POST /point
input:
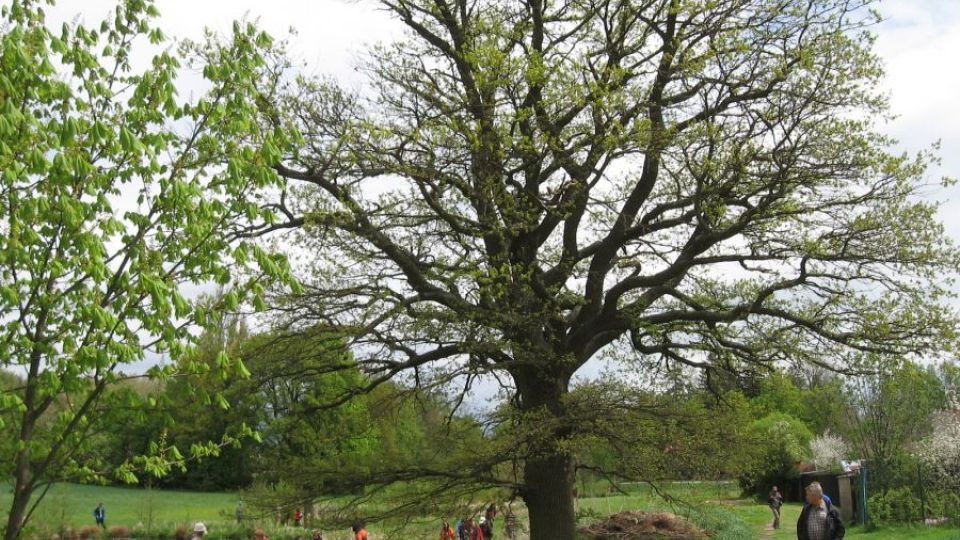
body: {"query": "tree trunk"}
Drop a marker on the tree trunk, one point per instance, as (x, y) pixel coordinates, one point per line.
(549, 496)
(23, 478)
(22, 488)
(549, 475)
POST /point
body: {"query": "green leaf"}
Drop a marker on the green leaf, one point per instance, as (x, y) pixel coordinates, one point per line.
(231, 301)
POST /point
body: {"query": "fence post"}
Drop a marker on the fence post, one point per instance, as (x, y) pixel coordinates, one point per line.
(923, 494)
(864, 517)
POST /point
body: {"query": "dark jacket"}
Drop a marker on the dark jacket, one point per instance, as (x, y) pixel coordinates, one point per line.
(834, 522)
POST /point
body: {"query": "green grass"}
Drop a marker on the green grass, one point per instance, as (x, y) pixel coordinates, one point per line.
(71, 505)
(710, 505)
(758, 516)
(919, 532)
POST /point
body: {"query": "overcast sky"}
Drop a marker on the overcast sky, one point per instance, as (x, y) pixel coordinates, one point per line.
(919, 40)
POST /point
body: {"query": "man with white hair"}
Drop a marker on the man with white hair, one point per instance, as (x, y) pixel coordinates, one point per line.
(199, 530)
(819, 519)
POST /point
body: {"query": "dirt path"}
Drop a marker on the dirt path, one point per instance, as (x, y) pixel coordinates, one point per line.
(767, 533)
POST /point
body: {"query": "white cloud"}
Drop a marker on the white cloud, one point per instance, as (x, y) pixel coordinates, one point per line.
(330, 33)
(920, 43)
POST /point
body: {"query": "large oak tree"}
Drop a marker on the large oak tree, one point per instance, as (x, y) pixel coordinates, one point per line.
(524, 184)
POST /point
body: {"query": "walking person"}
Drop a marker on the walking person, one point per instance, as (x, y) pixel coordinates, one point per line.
(447, 532)
(487, 521)
(239, 513)
(510, 521)
(100, 515)
(486, 526)
(360, 531)
(775, 501)
(199, 530)
(491, 513)
(819, 519)
(473, 532)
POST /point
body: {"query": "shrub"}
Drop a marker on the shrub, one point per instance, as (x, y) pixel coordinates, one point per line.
(943, 504)
(119, 532)
(897, 505)
(589, 515)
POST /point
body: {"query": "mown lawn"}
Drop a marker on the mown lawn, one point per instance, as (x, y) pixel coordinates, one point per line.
(711, 505)
(758, 516)
(752, 519)
(71, 505)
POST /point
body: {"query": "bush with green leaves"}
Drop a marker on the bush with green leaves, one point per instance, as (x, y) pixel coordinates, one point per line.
(912, 504)
(779, 441)
(897, 505)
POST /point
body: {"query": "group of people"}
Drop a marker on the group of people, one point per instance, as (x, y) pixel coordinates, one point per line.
(480, 529)
(819, 519)
(200, 528)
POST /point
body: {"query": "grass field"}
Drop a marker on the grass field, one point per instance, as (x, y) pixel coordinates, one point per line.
(752, 519)
(711, 505)
(759, 517)
(71, 505)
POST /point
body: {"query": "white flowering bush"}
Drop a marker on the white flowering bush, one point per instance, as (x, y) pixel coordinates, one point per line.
(827, 450)
(940, 452)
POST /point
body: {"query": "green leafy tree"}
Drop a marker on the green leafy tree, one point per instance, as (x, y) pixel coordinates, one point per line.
(949, 373)
(115, 194)
(779, 442)
(526, 184)
(890, 412)
(294, 380)
(778, 393)
(287, 395)
(192, 416)
(821, 406)
(128, 419)
(410, 435)
(334, 455)
(656, 436)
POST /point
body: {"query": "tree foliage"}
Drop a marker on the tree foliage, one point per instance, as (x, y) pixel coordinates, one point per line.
(889, 413)
(780, 443)
(940, 451)
(820, 405)
(116, 193)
